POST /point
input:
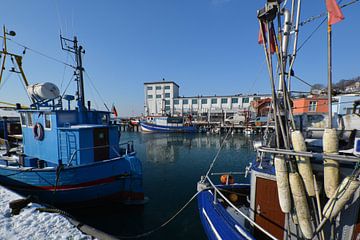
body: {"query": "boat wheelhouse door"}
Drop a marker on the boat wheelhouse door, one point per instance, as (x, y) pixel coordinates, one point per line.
(268, 213)
(101, 143)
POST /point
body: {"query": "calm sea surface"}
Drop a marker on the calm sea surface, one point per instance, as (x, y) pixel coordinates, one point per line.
(172, 165)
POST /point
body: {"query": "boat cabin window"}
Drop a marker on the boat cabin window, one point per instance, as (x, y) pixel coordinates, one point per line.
(29, 120)
(104, 119)
(23, 119)
(47, 118)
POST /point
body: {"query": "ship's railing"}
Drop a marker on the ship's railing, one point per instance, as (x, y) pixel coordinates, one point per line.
(129, 147)
(123, 151)
(252, 222)
(336, 157)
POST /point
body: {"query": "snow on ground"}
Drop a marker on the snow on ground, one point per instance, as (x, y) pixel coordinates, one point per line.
(32, 224)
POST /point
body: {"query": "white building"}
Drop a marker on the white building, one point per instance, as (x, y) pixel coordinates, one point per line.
(159, 97)
(163, 98)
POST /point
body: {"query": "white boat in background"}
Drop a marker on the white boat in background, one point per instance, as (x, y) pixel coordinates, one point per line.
(167, 124)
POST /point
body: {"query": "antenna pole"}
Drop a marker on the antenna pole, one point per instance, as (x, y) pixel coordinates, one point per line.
(77, 51)
(329, 123)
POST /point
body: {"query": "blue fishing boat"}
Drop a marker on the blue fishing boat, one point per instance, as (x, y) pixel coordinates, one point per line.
(293, 193)
(69, 156)
(167, 125)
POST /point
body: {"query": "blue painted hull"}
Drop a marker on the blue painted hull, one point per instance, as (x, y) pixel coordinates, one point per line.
(118, 179)
(147, 127)
(216, 220)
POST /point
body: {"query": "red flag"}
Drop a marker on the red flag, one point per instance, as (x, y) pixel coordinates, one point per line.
(260, 37)
(272, 40)
(335, 14)
(113, 110)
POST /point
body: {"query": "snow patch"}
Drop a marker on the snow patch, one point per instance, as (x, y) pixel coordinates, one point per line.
(32, 224)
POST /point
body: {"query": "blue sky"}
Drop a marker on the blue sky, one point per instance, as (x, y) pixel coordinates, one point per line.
(206, 46)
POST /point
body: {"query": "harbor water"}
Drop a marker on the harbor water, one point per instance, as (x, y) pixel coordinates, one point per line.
(172, 165)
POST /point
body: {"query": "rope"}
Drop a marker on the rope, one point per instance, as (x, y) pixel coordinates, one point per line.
(183, 207)
(162, 225)
(216, 156)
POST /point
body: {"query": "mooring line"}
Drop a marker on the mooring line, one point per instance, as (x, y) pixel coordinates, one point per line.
(217, 155)
(162, 225)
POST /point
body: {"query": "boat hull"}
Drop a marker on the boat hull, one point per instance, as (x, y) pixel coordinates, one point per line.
(146, 127)
(216, 221)
(116, 180)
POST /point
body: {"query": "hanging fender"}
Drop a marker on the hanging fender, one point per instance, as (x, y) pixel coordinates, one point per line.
(38, 131)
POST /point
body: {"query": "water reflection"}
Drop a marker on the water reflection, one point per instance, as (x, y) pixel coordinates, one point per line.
(163, 148)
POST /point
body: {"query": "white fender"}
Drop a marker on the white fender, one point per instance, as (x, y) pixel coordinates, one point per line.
(282, 181)
(301, 205)
(303, 163)
(342, 195)
(331, 167)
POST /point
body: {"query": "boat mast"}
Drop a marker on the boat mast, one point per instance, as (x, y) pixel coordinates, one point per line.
(77, 51)
(18, 60)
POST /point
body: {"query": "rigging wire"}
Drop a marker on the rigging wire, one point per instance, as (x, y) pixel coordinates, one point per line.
(301, 80)
(21, 80)
(321, 23)
(98, 93)
(62, 95)
(5, 80)
(310, 19)
(40, 53)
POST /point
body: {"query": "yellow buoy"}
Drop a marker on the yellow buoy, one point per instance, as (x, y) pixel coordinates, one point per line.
(233, 197)
(301, 205)
(282, 181)
(303, 163)
(331, 167)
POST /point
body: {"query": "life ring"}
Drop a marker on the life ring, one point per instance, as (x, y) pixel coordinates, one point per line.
(38, 132)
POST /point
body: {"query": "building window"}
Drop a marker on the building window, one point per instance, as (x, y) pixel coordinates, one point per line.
(167, 95)
(167, 87)
(150, 96)
(29, 120)
(224, 100)
(167, 108)
(23, 119)
(167, 102)
(256, 98)
(149, 88)
(47, 118)
(176, 102)
(194, 101)
(158, 95)
(312, 106)
(214, 101)
(185, 101)
(203, 101)
(234, 100)
(245, 100)
(158, 87)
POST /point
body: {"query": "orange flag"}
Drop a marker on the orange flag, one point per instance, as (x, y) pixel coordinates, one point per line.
(335, 14)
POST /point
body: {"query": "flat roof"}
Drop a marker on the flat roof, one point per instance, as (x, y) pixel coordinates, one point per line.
(236, 95)
(161, 82)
